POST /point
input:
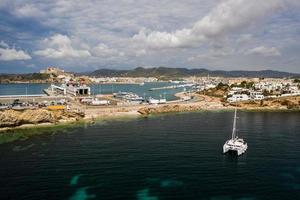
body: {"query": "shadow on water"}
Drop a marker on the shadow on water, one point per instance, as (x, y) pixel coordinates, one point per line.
(231, 157)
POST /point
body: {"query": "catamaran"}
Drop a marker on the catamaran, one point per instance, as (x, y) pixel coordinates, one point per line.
(235, 145)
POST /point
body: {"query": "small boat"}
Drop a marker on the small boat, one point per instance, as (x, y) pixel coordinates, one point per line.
(98, 102)
(162, 100)
(235, 145)
(157, 101)
(120, 94)
(129, 96)
(3, 107)
(153, 101)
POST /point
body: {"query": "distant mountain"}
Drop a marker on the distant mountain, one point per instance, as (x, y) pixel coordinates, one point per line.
(167, 72)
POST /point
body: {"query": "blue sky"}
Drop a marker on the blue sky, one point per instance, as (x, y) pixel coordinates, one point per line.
(87, 35)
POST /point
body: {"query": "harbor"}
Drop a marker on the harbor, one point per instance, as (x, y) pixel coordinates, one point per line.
(91, 98)
(97, 95)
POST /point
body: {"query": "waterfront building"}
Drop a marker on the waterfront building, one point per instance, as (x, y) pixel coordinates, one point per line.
(238, 97)
(68, 90)
(256, 95)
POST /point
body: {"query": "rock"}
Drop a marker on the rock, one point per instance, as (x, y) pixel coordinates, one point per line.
(11, 118)
(36, 116)
(168, 108)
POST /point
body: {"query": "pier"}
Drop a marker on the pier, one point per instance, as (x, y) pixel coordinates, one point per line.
(21, 96)
(30, 98)
(171, 87)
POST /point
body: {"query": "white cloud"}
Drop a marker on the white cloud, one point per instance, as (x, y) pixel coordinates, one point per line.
(264, 51)
(224, 18)
(28, 10)
(212, 54)
(3, 44)
(60, 46)
(10, 54)
(102, 50)
(244, 38)
(198, 26)
(140, 52)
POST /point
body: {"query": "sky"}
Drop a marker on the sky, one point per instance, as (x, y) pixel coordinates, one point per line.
(87, 35)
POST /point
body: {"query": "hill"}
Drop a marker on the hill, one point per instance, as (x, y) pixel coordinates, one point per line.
(183, 72)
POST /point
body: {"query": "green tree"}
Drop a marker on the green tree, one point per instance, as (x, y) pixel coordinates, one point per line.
(297, 80)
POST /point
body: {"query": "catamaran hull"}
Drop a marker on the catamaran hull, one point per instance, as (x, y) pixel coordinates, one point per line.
(236, 151)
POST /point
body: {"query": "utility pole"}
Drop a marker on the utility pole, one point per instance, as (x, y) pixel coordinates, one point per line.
(26, 94)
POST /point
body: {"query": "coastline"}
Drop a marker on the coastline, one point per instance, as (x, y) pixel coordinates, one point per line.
(25, 131)
(92, 115)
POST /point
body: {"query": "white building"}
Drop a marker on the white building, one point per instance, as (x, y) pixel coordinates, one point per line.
(238, 97)
(255, 95)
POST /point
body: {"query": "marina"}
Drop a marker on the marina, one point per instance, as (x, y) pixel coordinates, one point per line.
(93, 94)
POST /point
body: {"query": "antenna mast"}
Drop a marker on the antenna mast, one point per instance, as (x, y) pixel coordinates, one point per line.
(234, 125)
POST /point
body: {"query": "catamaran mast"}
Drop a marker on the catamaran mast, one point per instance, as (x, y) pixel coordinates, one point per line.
(234, 125)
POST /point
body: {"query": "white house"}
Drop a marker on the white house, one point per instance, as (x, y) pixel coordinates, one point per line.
(255, 95)
(238, 97)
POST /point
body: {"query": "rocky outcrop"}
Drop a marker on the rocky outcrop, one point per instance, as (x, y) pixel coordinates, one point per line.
(288, 103)
(11, 118)
(168, 108)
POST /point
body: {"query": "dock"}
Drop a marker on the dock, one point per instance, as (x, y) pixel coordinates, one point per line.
(31, 98)
(21, 96)
(171, 87)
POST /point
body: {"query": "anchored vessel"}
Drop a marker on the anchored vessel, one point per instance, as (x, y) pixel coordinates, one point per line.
(235, 145)
(129, 96)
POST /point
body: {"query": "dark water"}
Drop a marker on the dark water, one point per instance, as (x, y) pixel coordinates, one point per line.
(143, 91)
(164, 157)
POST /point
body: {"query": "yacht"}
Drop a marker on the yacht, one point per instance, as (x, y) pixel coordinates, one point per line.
(157, 101)
(153, 101)
(129, 96)
(235, 145)
(98, 102)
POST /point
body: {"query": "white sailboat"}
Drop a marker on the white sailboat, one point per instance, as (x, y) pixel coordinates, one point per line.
(235, 145)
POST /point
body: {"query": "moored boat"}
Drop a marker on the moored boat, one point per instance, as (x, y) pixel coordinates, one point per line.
(235, 145)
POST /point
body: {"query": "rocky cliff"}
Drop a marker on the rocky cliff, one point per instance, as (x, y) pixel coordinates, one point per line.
(11, 118)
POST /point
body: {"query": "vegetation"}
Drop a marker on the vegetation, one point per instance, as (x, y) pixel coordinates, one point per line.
(222, 86)
(297, 81)
(218, 91)
(267, 93)
(244, 84)
(168, 72)
(6, 78)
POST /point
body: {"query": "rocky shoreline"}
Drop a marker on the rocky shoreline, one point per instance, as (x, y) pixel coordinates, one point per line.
(12, 119)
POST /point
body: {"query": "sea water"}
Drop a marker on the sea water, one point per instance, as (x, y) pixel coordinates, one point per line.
(177, 156)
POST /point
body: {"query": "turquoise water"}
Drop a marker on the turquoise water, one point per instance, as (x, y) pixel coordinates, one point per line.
(20, 89)
(175, 156)
(142, 91)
